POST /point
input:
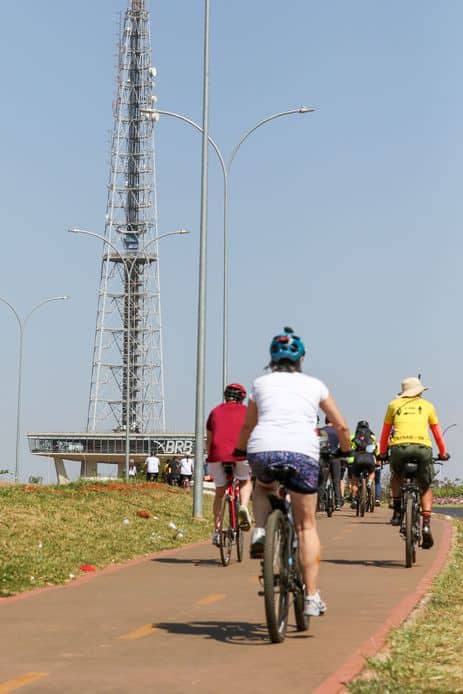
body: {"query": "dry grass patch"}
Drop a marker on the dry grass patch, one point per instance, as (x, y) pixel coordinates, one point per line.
(48, 533)
(425, 655)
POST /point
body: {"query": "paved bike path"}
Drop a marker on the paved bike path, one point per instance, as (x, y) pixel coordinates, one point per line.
(181, 622)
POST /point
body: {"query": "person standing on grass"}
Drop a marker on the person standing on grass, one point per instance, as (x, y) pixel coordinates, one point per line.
(152, 468)
(186, 470)
(132, 470)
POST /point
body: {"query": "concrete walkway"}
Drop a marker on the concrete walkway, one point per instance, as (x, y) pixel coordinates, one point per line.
(180, 622)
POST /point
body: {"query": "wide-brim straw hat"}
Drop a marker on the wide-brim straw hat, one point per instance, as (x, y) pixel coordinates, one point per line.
(411, 387)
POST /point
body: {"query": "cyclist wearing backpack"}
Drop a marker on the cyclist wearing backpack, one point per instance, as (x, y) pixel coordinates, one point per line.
(408, 418)
(363, 442)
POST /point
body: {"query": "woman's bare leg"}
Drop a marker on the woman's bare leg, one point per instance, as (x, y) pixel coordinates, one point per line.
(304, 507)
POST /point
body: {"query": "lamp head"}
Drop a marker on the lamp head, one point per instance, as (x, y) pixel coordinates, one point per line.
(306, 109)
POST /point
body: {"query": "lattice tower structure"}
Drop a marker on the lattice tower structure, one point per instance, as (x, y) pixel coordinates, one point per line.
(128, 345)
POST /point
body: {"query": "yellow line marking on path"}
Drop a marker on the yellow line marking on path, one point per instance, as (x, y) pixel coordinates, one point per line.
(139, 633)
(213, 597)
(21, 681)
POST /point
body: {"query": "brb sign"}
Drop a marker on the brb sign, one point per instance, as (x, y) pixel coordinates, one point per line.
(173, 446)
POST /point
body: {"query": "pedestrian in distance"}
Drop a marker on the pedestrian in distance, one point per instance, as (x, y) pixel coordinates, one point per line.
(152, 463)
(223, 426)
(132, 470)
(280, 429)
(186, 470)
(173, 472)
(408, 418)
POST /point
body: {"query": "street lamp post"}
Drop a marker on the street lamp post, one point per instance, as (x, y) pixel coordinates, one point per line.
(226, 169)
(22, 326)
(124, 260)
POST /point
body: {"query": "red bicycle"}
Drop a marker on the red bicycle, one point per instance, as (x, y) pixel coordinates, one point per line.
(230, 532)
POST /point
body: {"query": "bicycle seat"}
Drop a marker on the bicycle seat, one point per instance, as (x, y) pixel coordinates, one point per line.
(411, 466)
(280, 471)
(228, 469)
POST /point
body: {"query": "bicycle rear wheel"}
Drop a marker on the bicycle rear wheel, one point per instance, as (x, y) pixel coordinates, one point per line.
(275, 570)
(371, 498)
(362, 496)
(409, 531)
(329, 495)
(239, 535)
(226, 531)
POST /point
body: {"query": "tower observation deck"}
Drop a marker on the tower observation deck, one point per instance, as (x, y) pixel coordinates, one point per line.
(127, 386)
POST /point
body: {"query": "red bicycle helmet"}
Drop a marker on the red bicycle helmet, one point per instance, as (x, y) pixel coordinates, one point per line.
(235, 391)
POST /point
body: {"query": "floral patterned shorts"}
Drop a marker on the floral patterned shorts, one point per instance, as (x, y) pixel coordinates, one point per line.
(304, 469)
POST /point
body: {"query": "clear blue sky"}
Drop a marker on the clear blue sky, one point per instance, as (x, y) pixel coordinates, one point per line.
(345, 223)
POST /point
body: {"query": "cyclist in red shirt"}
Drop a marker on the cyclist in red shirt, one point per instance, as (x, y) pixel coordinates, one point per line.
(223, 428)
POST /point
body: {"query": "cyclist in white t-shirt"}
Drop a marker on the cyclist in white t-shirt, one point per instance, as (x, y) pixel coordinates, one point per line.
(280, 428)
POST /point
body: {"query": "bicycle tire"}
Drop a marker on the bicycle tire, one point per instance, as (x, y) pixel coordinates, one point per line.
(275, 571)
(416, 527)
(362, 497)
(409, 531)
(329, 500)
(371, 498)
(226, 531)
(239, 535)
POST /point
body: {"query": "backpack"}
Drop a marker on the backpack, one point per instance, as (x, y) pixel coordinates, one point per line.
(325, 447)
(363, 438)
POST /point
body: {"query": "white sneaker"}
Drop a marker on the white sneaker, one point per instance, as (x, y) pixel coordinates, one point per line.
(314, 605)
(257, 543)
(216, 538)
(244, 519)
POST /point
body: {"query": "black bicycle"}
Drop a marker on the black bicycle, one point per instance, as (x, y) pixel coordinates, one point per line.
(325, 495)
(365, 500)
(281, 575)
(410, 508)
(365, 495)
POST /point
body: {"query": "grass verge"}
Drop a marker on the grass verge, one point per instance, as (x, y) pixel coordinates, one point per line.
(47, 533)
(424, 655)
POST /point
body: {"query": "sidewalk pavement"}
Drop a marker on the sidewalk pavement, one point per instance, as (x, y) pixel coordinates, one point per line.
(180, 622)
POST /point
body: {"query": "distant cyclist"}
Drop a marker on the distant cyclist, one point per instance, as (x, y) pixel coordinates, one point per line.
(223, 427)
(363, 442)
(333, 463)
(410, 416)
(280, 429)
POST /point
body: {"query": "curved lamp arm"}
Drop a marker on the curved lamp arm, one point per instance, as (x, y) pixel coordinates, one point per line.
(302, 109)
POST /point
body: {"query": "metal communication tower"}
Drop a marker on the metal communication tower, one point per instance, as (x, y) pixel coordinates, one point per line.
(128, 325)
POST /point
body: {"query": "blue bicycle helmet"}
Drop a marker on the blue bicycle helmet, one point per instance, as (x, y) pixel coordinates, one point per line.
(287, 345)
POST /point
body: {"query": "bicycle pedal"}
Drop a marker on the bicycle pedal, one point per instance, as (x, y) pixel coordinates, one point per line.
(261, 593)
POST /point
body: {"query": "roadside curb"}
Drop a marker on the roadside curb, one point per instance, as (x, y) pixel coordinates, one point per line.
(335, 684)
(113, 568)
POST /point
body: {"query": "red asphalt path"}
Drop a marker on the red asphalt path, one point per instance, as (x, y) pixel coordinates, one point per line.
(178, 621)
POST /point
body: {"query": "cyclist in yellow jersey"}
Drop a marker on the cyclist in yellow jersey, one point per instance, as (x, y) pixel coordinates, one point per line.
(406, 432)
